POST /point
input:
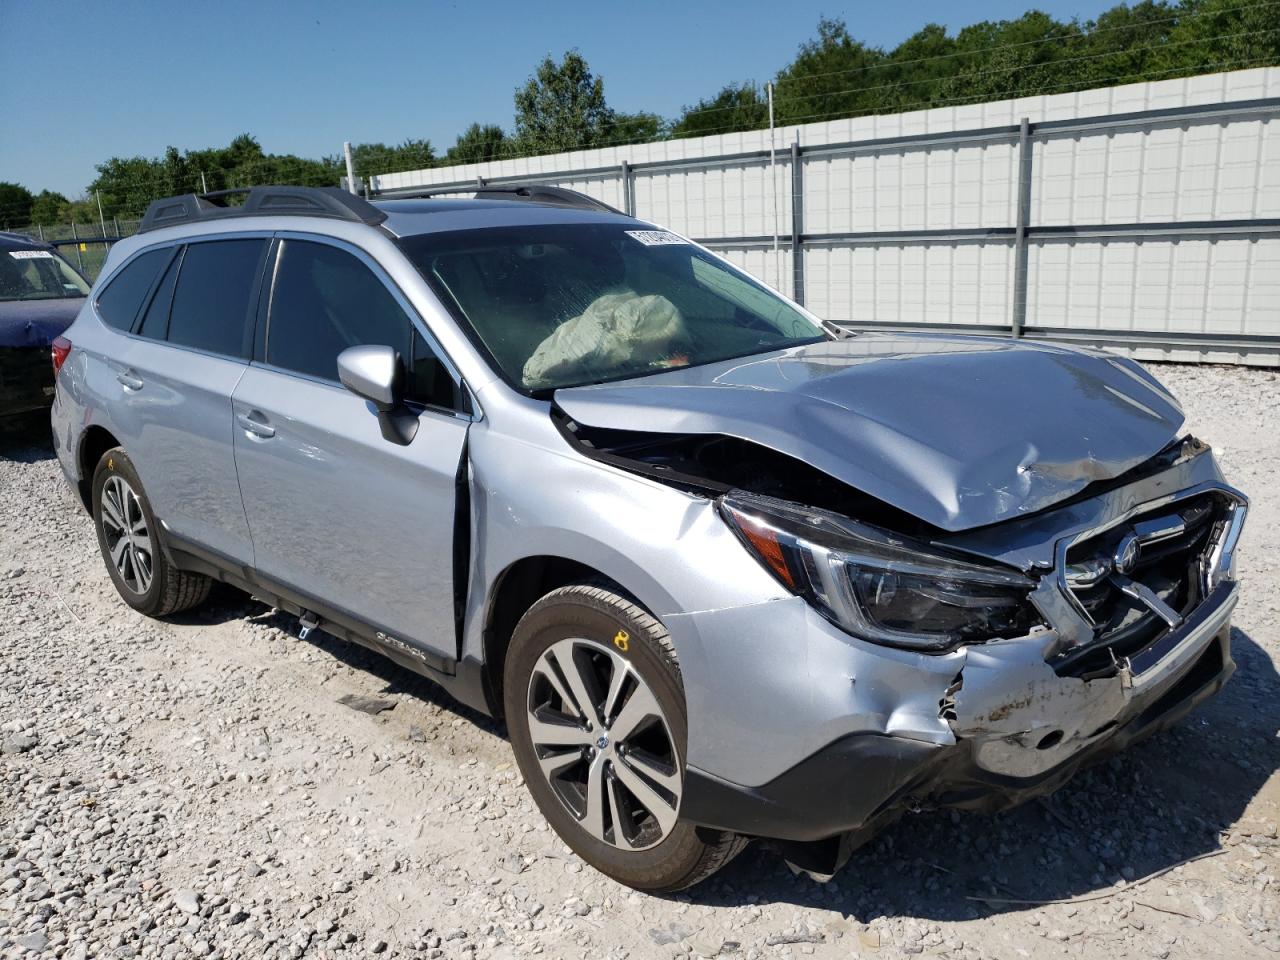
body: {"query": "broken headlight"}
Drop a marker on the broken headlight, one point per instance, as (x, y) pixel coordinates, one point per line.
(879, 585)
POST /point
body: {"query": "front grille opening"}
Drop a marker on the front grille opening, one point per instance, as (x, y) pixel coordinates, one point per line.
(1171, 568)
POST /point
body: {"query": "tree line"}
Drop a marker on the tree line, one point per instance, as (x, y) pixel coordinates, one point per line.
(562, 106)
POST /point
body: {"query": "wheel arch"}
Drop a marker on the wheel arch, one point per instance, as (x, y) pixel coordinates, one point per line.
(517, 588)
(94, 442)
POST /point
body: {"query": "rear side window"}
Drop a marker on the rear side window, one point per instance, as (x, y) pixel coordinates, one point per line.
(120, 302)
(211, 303)
(326, 300)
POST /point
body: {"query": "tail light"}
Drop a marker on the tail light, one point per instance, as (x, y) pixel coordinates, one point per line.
(60, 350)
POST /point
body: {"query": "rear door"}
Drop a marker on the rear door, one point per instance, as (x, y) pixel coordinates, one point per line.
(176, 373)
(361, 525)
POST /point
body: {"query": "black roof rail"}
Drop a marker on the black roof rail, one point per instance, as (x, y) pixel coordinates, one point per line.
(261, 201)
(532, 192)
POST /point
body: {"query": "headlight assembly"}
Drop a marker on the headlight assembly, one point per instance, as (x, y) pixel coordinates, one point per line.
(879, 585)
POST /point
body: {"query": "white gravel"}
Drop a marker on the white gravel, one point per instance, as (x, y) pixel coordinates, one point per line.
(194, 788)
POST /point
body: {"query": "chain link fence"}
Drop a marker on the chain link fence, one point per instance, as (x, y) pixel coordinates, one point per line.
(84, 244)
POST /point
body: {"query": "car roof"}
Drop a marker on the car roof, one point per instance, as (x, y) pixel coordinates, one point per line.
(18, 241)
(411, 217)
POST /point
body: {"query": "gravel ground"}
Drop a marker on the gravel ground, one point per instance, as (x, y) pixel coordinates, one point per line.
(196, 788)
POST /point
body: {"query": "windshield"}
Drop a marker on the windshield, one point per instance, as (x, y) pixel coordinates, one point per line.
(561, 305)
(38, 275)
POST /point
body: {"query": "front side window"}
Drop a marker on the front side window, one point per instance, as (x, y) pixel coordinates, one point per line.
(560, 305)
(211, 303)
(120, 302)
(325, 300)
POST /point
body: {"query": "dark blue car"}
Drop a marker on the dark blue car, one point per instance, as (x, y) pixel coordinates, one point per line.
(40, 294)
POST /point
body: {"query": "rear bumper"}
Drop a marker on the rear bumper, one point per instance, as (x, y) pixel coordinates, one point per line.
(862, 781)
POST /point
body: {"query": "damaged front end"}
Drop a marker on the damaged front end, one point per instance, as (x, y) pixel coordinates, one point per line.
(1067, 634)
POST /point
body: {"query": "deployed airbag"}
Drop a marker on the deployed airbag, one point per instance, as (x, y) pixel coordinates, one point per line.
(613, 333)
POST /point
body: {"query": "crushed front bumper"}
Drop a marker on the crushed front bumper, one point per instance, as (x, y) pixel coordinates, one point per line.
(1020, 731)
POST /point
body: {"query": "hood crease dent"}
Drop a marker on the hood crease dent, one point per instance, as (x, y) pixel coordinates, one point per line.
(960, 432)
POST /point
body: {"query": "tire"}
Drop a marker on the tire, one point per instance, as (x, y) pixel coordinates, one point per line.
(135, 561)
(565, 753)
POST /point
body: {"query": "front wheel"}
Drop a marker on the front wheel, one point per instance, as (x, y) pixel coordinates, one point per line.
(129, 538)
(596, 711)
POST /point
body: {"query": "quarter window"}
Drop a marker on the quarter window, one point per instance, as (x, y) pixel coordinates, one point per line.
(120, 302)
(324, 301)
(211, 303)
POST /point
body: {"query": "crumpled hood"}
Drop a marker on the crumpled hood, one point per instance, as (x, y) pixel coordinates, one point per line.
(958, 431)
(34, 323)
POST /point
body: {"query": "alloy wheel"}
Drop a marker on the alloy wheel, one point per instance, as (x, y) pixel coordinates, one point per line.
(128, 540)
(604, 744)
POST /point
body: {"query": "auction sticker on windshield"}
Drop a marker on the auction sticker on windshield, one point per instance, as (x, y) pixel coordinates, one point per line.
(656, 238)
(31, 254)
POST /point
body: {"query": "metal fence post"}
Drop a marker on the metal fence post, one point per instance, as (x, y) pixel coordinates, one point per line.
(351, 170)
(628, 201)
(773, 192)
(797, 224)
(40, 230)
(76, 236)
(1020, 231)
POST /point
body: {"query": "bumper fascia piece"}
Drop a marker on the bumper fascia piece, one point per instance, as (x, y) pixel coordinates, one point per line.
(1020, 732)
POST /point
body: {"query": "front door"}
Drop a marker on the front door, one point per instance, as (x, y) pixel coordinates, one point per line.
(337, 513)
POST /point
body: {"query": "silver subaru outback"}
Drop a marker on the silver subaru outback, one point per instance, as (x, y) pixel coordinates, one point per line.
(727, 571)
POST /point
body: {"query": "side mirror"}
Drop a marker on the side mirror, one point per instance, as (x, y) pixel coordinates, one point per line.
(372, 372)
(375, 373)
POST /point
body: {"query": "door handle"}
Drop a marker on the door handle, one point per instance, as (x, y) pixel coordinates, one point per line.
(129, 380)
(252, 423)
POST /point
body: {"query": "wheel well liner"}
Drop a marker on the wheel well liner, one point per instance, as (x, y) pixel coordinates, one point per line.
(517, 589)
(93, 444)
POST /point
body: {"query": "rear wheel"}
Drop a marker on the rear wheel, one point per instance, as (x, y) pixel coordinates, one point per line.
(129, 538)
(596, 711)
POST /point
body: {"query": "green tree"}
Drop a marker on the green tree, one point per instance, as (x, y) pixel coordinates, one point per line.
(479, 143)
(735, 107)
(1033, 54)
(371, 159)
(15, 205)
(915, 71)
(128, 184)
(1212, 35)
(562, 107)
(49, 207)
(641, 127)
(833, 75)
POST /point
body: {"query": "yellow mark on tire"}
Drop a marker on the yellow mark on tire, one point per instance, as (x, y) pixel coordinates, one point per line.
(111, 463)
(622, 640)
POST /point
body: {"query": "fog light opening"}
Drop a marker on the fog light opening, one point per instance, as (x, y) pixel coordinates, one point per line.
(1050, 740)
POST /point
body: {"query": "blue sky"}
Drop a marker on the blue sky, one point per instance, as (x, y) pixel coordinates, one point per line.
(84, 81)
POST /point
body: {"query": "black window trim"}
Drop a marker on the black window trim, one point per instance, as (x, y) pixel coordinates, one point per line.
(420, 326)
